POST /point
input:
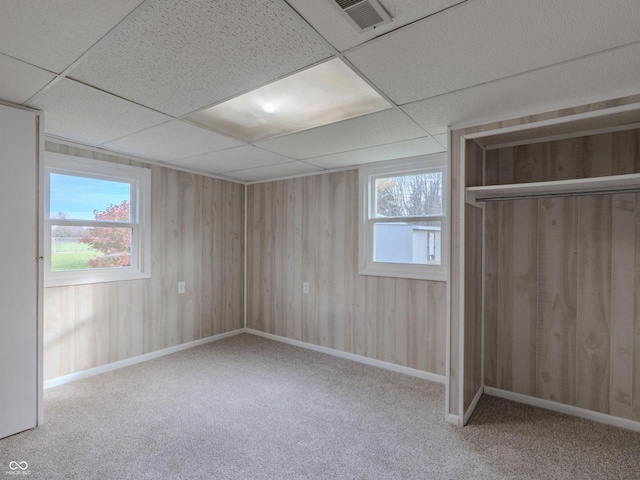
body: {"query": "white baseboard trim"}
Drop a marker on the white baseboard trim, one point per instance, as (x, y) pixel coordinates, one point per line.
(452, 419)
(562, 408)
(351, 356)
(54, 382)
(472, 407)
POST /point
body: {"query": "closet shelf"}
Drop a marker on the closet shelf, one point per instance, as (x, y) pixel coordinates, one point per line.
(579, 186)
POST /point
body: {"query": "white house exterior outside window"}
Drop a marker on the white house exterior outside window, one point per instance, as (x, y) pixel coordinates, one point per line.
(403, 218)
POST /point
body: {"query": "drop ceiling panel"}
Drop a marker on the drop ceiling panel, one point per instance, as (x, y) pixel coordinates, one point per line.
(52, 34)
(443, 139)
(84, 114)
(177, 57)
(559, 86)
(233, 159)
(338, 31)
(409, 148)
(367, 131)
(19, 80)
(273, 172)
(171, 141)
(483, 40)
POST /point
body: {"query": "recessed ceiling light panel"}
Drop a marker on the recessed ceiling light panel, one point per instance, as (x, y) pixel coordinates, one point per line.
(327, 93)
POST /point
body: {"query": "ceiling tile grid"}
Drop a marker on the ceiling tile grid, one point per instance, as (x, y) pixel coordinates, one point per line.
(484, 40)
(559, 86)
(84, 114)
(442, 139)
(171, 141)
(273, 171)
(52, 34)
(19, 81)
(328, 21)
(378, 128)
(445, 62)
(233, 159)
(177, 57)
(408, 148)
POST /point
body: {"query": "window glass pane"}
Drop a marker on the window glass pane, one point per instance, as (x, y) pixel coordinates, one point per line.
(402, 242)
(81, 198)
(409, 195)
(83, 248)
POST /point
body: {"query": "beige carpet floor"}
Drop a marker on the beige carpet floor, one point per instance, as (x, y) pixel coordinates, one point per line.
(250, 408)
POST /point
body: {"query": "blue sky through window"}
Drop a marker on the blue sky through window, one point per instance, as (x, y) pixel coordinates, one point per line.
(78, 197)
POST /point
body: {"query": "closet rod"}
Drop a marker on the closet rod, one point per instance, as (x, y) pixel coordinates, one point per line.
(550, 195)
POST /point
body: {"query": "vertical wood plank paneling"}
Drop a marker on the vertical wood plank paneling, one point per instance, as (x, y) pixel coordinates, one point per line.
(556, 341)
(491, 167)
(585, 341)
(473, 247)
(208, 281)
(598, 155)
(254, 275)
(315, 223)
(189, 228)
(622, 303)
(401, 321)
(472, 303)
(510, 309)
(435, 346)
(594, 303)
(419, 320)
(557, 298)
(624, 152)
(524, 311)
(492, 280)
(197, 236)
(504, 329)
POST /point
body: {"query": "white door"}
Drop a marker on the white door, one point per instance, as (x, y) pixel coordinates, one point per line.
(18, 270)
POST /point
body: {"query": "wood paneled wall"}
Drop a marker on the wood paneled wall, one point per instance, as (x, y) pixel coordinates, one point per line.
(473, 249)
(562, 308)
(197, 237)
(306, 230)
(457, 217)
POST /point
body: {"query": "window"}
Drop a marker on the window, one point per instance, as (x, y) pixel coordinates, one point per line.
(403, 218)
(96, 221)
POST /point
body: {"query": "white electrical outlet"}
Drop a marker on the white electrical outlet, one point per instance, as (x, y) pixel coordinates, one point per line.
(305, 287)
(182, 287)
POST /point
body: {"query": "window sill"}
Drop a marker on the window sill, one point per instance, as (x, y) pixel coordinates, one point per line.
(436, 273)
(100, 277)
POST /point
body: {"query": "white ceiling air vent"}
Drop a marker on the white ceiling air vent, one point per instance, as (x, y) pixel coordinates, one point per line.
(363, 14)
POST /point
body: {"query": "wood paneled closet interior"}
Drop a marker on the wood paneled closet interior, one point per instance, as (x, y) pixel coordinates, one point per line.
(548, 248)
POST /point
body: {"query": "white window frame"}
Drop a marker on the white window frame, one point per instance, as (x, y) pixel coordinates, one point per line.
(140, 222)
(407, 166)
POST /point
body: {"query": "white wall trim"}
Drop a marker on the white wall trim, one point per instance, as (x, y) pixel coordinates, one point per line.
(462, 181)
(447, 355)
(351, 356)
(472, 406)
(453, 419)
(40, 280)
(245, 281)
(54, 382)
(562, 408)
